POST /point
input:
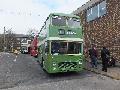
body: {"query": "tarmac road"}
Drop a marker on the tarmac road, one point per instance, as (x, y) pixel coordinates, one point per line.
(22, 72)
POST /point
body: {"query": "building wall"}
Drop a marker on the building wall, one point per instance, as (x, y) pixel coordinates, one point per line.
(105, 30)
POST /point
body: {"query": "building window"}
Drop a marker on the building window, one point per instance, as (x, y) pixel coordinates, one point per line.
(18, 42)
(18, 39)
(96, 11)
(102, 8)
(29, 42)
(89, 14)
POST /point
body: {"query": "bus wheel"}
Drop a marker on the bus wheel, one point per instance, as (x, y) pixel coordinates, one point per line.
(43, 65)
(42, 62)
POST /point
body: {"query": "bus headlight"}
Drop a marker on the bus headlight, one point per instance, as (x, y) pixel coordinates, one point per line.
(79, 62)
(54, 68)
(54, 64)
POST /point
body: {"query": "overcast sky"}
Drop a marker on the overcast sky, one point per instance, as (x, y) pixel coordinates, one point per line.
(22, 15)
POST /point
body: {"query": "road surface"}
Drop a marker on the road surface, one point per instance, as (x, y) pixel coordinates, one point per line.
(22, 72)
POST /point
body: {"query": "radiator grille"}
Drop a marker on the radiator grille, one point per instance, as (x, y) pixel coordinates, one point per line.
(67, 65)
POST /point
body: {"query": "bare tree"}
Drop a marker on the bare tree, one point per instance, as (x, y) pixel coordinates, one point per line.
(32, 32)
(10, 39)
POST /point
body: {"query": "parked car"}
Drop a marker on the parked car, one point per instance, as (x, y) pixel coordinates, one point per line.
(24, 51)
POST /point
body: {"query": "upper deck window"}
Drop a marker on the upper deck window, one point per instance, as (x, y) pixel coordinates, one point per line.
(74, 22)
(58, 21)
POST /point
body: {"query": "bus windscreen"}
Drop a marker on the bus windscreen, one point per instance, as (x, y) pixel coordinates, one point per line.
(59, 47)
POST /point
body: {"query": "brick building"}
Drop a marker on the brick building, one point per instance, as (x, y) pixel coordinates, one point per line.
(101, 24)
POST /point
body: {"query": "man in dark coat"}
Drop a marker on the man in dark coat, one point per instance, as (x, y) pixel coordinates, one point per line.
(105, 55)
(93, 57)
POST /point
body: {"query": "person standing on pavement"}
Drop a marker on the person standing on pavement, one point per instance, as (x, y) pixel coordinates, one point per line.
(93, 56)
(105, 54)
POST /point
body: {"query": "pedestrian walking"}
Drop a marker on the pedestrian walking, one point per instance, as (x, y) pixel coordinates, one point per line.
(93, 56)
(105, 55)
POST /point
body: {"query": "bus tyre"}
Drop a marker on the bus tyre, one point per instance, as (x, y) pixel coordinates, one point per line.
(36, 56)
(42, 63)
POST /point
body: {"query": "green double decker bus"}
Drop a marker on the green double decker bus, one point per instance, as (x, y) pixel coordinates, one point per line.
(60, 44)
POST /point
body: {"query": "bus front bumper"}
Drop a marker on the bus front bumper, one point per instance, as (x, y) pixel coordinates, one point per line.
(66, 67)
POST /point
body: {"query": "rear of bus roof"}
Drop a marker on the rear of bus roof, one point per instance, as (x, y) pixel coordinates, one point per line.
(62, 14)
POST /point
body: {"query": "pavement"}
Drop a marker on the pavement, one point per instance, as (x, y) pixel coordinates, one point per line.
(112, 72)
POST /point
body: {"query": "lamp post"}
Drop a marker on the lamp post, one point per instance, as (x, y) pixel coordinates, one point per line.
(12, 47)
(4, 40)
